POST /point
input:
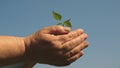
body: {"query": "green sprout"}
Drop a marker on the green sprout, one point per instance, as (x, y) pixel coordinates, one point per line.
(58, 17)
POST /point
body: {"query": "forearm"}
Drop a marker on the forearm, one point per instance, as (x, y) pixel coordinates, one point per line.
(12, 50)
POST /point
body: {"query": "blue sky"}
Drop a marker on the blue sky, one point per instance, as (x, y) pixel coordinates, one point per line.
(99, 18)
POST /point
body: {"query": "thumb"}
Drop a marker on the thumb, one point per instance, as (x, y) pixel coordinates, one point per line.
(57, 30)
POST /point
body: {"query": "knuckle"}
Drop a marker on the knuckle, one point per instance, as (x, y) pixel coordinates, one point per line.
(71, 43)
(65, 48)
(71, 35)
(67, 55)
(57, 45)
(62, 38)
(81, 38)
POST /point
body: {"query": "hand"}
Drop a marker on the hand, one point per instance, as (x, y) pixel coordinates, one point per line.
(56, 45)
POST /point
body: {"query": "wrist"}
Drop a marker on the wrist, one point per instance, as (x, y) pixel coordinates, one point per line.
(24, 49)
(27, 47)
(28, 41)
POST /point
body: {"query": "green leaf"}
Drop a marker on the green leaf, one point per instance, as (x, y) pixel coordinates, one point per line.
(56, 15)
(67, 23)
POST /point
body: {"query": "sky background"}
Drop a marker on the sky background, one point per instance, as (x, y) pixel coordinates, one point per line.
(99, 18)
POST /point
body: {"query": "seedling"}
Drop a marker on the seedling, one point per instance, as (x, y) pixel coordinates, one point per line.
(58, 17)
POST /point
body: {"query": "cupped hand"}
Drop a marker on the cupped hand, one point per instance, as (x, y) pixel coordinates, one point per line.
(56, 45)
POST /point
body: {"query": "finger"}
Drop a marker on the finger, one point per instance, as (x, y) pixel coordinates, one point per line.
(73, 43)
(77, 49)
(84, 45)
(56, 30)
(80, 47)
(70, 35)
(75, 57)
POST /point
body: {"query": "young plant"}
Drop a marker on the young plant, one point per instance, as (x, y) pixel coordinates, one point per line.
(58, 17)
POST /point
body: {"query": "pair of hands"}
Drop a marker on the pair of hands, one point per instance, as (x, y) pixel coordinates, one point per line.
(56, 45)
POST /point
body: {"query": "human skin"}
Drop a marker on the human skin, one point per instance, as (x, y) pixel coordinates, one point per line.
(53, 45)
